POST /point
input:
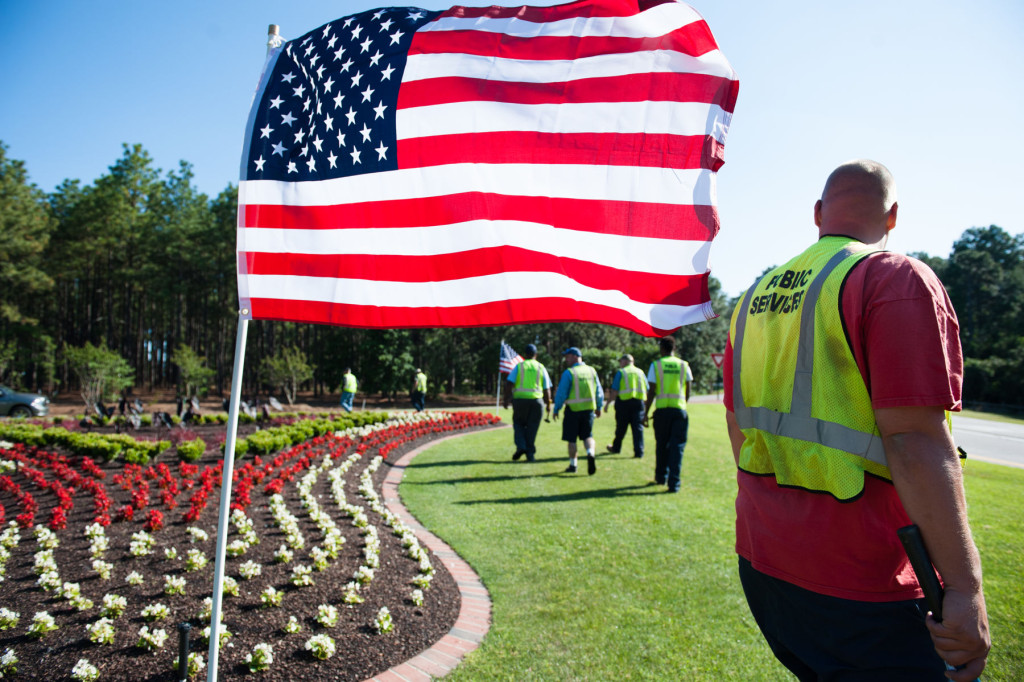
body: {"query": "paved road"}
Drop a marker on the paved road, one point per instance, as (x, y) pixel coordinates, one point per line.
(989, 441)
(985, 441)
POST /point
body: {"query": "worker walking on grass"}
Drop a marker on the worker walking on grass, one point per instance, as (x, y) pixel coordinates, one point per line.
(529, 387)
(579, 389)
(669, 378)
(629, 388)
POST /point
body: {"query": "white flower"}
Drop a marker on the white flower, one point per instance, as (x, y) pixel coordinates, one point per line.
(292, 626)
(134, 578)
(174, 584)
(85, 671)
(271, 596)
(8, 618)
(42, 622)
(151, 640)
(383, 623)
(327, 615)
(417, 597)
(197, 534)
(101, 632)
(249, 570)
(155, 612)
(322, 646)
(261, 658)
(113, 605)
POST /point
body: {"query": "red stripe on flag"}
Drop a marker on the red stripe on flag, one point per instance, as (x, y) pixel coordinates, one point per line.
(598, 149)
(648, 87)
(663, 221)
(481, 315)
(639, 286)
(693, 39)
(571, 10)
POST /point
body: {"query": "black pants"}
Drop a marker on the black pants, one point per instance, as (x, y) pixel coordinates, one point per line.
(629, 413)
(819, 637)
(670, 427)
(526, 416)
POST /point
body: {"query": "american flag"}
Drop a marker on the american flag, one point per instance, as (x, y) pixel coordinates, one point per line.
(487, 166)
(508, 359)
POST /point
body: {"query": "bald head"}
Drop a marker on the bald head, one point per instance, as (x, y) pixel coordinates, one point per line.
(859, 200)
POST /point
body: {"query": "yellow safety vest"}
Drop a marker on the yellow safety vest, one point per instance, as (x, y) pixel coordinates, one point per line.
(632, 383)
(421, 382)
(798, 395)
(350, 383)
(670, 386)
(529, 380)
(583, 395)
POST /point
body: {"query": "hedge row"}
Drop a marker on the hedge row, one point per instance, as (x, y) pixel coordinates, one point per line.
(106, 447)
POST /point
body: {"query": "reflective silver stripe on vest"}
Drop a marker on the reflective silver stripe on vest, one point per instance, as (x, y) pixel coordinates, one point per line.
(799, 423)
(520, 380)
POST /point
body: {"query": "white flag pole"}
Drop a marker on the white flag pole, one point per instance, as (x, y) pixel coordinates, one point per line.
(225, 497)
(497, 398)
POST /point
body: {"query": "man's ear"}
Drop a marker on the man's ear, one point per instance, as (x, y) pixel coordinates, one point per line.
(890, 218)
(817, 213)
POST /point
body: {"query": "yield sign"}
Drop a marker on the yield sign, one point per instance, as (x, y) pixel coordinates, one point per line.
(718, 359)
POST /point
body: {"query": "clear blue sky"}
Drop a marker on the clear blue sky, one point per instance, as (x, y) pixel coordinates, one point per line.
(931, 89)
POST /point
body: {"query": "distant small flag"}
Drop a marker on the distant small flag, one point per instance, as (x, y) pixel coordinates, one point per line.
(487, 166)
(509, 358)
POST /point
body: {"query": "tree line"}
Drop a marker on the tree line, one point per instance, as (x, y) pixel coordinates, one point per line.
(139, 268)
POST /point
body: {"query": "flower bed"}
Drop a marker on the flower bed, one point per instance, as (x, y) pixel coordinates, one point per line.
(101, 561)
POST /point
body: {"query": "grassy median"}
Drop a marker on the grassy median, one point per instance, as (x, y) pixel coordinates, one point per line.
(607, 577)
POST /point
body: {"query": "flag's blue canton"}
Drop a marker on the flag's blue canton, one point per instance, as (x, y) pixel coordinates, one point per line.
(328, 108)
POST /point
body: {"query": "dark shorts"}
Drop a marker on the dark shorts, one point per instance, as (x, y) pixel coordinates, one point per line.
(577, 425)
(819, 637)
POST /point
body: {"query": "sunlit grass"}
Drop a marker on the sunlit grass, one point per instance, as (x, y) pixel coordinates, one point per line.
(607, 577)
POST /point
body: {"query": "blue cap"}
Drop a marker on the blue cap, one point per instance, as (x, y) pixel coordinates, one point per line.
(572, 350)
(531, 349)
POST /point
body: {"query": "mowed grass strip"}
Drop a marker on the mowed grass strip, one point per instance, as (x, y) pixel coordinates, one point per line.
(608, 577)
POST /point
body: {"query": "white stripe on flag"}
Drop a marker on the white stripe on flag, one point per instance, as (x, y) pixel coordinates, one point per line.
(691, 187)
(652, 118)
(449, 64)
(660, 256)
(508, 286)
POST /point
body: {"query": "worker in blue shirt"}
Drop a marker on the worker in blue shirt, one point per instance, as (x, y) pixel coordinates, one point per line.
(629, 389)
(580, 389)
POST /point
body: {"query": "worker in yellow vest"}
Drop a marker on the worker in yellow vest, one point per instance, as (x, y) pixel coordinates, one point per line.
(669, 379)
(839, 370)
(348, 389)
(419, 390)
(580, 390)
(529, 388)
(628, 391)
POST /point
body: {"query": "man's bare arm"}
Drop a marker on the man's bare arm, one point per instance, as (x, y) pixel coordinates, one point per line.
(926, 471)
(735, 435)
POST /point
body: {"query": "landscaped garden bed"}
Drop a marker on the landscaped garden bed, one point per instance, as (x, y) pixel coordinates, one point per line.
(103, 559)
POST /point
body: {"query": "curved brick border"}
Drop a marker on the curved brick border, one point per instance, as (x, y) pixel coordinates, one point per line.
(474, 618)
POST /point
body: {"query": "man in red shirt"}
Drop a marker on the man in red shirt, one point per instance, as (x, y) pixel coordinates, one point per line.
(825, 575)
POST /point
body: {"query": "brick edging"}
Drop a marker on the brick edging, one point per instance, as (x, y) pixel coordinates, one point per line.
(474, 619)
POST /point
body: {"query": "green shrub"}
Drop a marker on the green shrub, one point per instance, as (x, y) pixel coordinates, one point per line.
(191, 450)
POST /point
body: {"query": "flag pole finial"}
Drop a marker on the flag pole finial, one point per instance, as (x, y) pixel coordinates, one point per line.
(274, 38)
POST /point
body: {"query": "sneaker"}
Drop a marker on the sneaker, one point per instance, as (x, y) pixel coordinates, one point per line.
(640, 456)
(612, 449)
(571, 469)
(591, 465)
(517, 455)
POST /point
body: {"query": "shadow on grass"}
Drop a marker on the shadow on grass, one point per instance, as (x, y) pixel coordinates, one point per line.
(629, 490)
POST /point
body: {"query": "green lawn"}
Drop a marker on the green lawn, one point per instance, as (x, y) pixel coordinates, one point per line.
(609, 578)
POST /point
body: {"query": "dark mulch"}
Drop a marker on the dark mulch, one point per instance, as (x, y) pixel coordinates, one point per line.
(361, 652)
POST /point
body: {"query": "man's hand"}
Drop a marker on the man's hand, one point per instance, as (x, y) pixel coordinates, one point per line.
(554, 415)
(597, 413)
(962, 638)
(645, 419)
